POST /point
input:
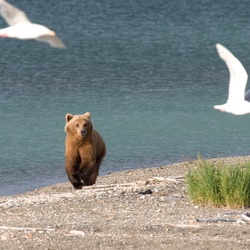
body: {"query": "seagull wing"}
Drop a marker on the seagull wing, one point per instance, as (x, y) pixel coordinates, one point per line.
(11, 14)
(238, 75)
(54, 41)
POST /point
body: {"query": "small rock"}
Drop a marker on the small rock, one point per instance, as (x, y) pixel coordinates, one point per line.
(148, 191)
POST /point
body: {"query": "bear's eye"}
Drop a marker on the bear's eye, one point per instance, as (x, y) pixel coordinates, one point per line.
(77, 125)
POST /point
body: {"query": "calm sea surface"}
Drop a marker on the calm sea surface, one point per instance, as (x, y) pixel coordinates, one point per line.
(147, 71)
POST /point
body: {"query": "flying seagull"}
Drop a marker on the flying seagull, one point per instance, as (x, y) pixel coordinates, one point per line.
(22, 28)
(237, 103)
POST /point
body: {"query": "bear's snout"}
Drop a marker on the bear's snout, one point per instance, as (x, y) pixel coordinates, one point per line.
(83, 132)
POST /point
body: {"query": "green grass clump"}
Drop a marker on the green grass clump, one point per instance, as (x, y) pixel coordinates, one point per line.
(220, 184)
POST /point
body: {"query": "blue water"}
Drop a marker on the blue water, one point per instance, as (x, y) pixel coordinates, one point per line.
(147, 71)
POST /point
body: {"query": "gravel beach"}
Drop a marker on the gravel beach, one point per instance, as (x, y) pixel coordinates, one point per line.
(135, 209)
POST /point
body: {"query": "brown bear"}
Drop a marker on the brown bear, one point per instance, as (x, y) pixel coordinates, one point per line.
(84, 150)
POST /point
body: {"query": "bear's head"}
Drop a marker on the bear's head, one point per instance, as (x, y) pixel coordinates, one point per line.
(79, 125)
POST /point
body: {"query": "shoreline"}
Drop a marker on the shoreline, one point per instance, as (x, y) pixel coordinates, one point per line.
(144, 208)
(185, 162)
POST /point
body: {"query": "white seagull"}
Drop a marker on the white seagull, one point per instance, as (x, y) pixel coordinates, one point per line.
(22, 28)
(237, 103)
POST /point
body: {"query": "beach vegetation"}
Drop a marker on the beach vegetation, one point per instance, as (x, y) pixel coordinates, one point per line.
(219, 184)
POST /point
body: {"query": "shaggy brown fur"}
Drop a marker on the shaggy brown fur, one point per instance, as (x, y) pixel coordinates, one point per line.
(85, 150)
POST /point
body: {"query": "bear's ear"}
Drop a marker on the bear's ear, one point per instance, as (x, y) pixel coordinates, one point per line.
(87, 114)
(68, 117)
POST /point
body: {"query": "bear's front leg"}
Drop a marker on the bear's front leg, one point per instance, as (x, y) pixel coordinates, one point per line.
(75, 181)
(71, 166)
(90, 175)
(91, 179)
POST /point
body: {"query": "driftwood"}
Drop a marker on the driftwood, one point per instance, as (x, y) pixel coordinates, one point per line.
(245, 218)
(162, 179)
(218, 220)
(141, 182)
(37, 229)
(182, 225)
